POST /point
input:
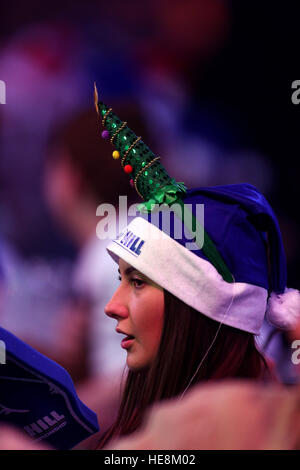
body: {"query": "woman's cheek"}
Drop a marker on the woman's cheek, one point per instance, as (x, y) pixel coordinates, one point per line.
(155, 323)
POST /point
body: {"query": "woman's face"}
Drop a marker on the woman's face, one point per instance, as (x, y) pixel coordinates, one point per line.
(138, 307)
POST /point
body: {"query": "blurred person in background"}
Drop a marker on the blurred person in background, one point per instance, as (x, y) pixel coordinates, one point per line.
(232, 415)
(42, 65)
(173, 55)
(38, 63)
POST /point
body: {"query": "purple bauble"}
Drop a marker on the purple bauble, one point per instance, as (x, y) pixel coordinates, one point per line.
(105, 135)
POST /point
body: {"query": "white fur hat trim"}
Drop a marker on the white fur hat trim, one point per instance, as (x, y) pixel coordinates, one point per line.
(283, 310)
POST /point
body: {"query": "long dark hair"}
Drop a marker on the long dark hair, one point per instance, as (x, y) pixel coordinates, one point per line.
(186, 338)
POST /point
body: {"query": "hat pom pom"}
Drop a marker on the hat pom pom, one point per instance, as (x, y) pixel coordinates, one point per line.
(283, 310)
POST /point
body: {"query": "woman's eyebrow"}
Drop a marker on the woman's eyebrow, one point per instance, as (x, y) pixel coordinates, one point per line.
(128, 270)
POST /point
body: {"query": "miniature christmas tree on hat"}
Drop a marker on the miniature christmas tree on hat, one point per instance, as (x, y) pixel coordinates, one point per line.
(148, 176)
(151, 180)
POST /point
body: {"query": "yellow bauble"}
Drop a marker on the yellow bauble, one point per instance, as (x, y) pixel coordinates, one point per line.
(116, 154)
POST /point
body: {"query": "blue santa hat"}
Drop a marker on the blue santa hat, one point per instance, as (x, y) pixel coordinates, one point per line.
(244, 231)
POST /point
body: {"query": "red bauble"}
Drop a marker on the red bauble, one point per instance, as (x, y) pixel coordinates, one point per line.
(128, 168)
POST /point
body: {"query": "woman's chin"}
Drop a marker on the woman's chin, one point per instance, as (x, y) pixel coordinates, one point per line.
(134, 364)
(133, 367)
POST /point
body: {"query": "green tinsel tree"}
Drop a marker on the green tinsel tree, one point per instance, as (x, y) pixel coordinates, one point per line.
(146, 172)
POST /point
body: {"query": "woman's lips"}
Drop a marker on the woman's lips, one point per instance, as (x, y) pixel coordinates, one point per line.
(127, 342)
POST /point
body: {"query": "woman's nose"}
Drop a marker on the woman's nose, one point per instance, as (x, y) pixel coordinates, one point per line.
(116, 307)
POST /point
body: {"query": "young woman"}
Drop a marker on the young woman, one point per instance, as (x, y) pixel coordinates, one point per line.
(182, 323)
(194, 291)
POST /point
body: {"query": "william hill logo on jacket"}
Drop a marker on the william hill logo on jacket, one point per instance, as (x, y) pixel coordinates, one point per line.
(45, 426)
(131, 242)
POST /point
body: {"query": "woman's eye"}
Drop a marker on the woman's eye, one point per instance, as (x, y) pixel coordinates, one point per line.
(138, 283)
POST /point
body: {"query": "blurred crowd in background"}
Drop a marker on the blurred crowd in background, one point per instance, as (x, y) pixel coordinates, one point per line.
(206, 83)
